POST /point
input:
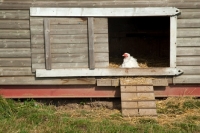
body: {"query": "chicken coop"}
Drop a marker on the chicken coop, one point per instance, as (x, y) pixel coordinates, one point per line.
(70, 49)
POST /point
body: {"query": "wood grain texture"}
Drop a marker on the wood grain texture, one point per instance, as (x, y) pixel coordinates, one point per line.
(15, 53)
(47, 44)
(186, 79)
(14, 14)
(73, 72)
(31, 80)
(14, 24)
(188, 32)
(188, 23)
(91, 57)
(190, 70)
(15, 71)
(15, 62)
(15, 43)
(188, 61)
(14, 34)
(20, 4)
(188, 42)
(182, 51)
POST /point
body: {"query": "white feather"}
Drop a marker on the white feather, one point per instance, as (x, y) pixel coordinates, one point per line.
(129, 62)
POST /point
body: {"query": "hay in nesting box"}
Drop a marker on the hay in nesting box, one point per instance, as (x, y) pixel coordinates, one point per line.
(143, 62)
(135, 80)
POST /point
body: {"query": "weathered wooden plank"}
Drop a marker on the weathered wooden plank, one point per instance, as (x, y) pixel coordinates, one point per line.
(147, 104)
(69, 65)
(107, 12)
(15, 53)
(188, 51)
(192, 14)
(62, 51)
(161, 82)
(31, 80)
(130, 112)
(107, 72)
(107, 82)
(62, 45)
(188, 23)
(190, 70)
(173, 36)
(14, 43)
(47, 44)
(7, 34)
(188, 32)
(14, 14)
(91, 3)
(188, 60)
(14, 24)
(188, 41)
(186, 79)
(91, 57)
(71, 58)
(59, 21)
(15, 62)
(82, 38)
(9, 71)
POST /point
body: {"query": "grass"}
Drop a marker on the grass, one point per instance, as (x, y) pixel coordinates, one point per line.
(175, 115)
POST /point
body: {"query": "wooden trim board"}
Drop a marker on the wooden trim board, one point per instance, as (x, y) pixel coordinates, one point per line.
(108, 72)
(105, 12)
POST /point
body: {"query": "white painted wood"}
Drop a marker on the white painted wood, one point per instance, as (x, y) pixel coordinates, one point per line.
(107, 72)
(173, 36)
(106, 12)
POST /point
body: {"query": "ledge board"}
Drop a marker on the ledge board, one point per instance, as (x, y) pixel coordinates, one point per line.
(108, 72)
(104, 12)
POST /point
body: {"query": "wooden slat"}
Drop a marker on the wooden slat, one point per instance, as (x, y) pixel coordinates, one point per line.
(15, 53)
(15, 62)
(107, 72)
(70, 58)
(6, 34)
(173, 36)
(14, 14)
(188, 51)
(31, 80)
(190, 70)
(14, 24)
(62, 45)
(62, 51)
(161, 82)
(189, 14)
(91, 58)
(9, 71)
(190, 32)
(69, 65)
(47, 44)
(186, 79)
(182, 23)
(107, 12)
(14, 43)
(188, 60)
(188, 41)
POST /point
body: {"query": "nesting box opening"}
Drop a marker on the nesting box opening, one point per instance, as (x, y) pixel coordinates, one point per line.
(146, 38)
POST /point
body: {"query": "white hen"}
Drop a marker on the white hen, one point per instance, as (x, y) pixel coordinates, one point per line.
(129, 61)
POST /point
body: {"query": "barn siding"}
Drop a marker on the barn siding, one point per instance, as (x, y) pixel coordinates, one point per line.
(15, 54)
(15, 35)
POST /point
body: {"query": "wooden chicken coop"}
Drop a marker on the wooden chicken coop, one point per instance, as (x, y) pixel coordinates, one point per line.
(62, 49)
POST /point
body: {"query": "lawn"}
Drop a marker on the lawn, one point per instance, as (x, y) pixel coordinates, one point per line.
(175, 115)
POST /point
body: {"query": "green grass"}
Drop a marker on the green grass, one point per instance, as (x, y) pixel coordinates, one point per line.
(175, 115)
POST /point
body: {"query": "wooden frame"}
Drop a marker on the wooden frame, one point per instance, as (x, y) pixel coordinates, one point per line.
(112, 12)
(104, 12)
(47, 43)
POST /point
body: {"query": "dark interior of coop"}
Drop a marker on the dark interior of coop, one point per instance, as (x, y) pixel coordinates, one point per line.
(146, 38)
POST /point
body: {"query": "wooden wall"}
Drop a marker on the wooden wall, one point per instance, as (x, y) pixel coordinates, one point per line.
(15, 43)
(188, 46)
(15, 54)
(69, 42)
